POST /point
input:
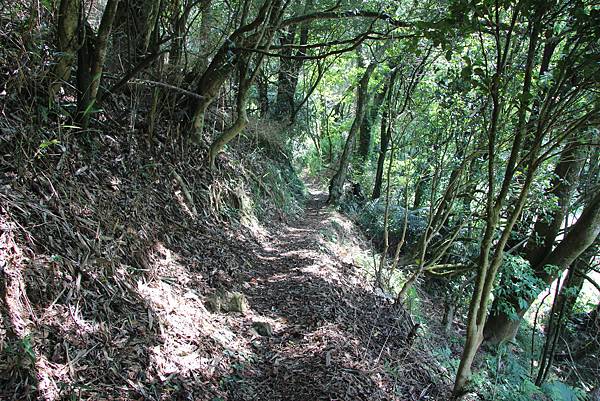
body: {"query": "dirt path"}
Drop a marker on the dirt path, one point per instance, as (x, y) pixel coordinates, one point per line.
(132, 322)
(332, 338)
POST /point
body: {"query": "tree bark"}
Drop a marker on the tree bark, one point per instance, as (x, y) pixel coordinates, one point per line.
(91, 61)
(241, 120)
(385, 137)
(284, 101)
(364, 143)
(135, 22)
(262, 86)
(258, 31)
(500, 326)
(336, 183)
(271, 17)
(579, 237)
(562, 186)
(68, 24)
(576, 278)
(289, 69)
(489, 263)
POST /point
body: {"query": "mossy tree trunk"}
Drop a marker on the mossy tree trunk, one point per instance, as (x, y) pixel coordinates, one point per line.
(259, 31)
(241, 120)
(270, 20)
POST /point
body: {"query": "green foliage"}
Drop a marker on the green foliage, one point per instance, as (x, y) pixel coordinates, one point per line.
(44, 146)
(559, 391)
(371, 218)
(507, 377)
(27, 348)
(278, 184)
(518, 279)
(19, 355)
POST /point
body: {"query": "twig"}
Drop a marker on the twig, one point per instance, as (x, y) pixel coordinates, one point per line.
(167, 86)
(185, 191)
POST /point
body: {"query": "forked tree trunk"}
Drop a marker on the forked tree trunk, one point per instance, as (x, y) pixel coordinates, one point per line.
(581, 236)
(500, 326)
(489, 263)
(213, 78)
(258, 31)
(271, 16)
(562, 186)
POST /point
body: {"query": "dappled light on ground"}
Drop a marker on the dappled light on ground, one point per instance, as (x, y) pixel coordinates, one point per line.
(310, 328)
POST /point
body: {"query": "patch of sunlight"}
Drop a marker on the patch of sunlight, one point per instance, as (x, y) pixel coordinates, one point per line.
(81, 326)
(278, 277)
(184, 323)
(48, 376)
(115, 183)
(165, 264)
(315, 269)
(590, 295)
(303, 253)
(254, 226)
(186, 326)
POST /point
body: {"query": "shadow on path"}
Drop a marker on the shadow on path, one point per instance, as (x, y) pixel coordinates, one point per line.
(333, 338)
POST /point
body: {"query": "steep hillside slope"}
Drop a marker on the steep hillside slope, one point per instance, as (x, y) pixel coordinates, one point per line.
(130, 277)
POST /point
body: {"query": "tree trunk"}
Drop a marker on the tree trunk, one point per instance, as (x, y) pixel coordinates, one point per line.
(262, 85)
(448, 318)
(488, 263)
(272, 13)
(225, 60)
(284, 102)
(84, 62)
(579, 237)
(336, 184)
(385, 134)
(289, 69)
(181, 14)
(364, 144)
(135, 21)
(500, 326)
(562, 186)
(91, 62)
(68, 23)
(576, 278)
(420, 191)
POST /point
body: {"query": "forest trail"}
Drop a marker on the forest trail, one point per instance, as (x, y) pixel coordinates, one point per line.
(332, 337)
(121, 332)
